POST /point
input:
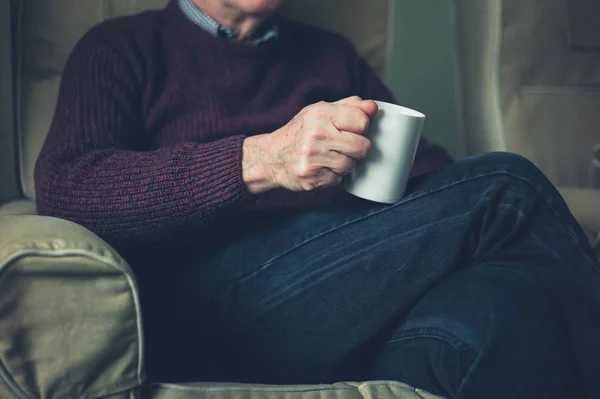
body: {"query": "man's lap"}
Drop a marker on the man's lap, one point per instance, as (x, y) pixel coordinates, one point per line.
(283, 288)
(263, 240)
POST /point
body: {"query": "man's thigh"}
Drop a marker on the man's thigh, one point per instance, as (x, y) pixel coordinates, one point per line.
(301, 298)
(464, 211)
(304, 303)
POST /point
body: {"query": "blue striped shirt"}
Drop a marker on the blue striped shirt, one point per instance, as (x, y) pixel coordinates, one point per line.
(207, 23)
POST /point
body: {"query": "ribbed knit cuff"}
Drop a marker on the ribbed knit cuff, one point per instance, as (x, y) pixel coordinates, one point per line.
(216, 173)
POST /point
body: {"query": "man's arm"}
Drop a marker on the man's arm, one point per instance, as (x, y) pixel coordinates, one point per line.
(91, 171)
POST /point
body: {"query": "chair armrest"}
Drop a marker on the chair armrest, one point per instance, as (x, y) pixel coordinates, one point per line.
(70, 324)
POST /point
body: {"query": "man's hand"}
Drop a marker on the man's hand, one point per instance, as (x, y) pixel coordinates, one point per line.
(315, 149)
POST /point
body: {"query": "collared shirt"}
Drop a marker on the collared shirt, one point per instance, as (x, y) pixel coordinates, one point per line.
(204, 21)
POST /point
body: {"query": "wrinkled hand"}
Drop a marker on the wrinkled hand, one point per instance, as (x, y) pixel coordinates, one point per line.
(316, 148)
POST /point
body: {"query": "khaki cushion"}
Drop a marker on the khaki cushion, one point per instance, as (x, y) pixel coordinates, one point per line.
(70, 321)
(18, 207)
(368, 390)
(526, 89)
(49, 29)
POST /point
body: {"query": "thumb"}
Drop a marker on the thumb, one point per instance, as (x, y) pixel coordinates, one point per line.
(367, 106)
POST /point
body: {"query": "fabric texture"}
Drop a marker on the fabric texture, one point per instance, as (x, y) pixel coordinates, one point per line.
(70, 324)
(369, 390)
(480, 268)
(65, 264)
(172, 112)
(70, 321)
(268, 32)
(525, 90)
(46, 32)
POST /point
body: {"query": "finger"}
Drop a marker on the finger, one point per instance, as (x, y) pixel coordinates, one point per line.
(336, 162)
(369, 107)
(349, 144)
(349, 118)
(353, 100)
(326, 178)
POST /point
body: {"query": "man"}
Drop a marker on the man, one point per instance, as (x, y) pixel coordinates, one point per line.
(207, 141)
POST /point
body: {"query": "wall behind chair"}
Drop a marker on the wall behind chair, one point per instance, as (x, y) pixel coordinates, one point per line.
(422, 71)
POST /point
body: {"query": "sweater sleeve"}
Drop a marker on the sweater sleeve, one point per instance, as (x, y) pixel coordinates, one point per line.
(94, 171)
(429, 156)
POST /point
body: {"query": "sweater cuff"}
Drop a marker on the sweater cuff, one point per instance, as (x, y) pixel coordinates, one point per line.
(216, 178)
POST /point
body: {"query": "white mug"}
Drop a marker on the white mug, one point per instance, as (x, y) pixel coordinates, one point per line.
(382, 176)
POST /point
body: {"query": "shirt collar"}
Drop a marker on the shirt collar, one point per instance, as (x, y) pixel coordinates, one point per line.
(268, 32)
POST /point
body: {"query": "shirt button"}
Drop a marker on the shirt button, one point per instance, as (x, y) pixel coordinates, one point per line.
(226, 33)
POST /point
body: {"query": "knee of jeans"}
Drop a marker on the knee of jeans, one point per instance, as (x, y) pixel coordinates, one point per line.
(426, 357)
(500, 300)
(521, 174)
(436, 332)
(514, 165)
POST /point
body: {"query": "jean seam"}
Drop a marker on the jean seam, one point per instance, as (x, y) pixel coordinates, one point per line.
(358, 219)
(409, 199)
(371, 248)
(568, 228)
(433, 333)
(525, 180)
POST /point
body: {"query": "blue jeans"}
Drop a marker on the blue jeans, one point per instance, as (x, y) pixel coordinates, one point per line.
(478, 284)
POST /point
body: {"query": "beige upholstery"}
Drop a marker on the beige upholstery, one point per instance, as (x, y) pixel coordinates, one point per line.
(369, 390)
(70, 324)
(531, 85)
(50, 29)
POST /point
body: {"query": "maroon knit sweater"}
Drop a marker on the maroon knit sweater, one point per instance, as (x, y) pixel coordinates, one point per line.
(146, 140)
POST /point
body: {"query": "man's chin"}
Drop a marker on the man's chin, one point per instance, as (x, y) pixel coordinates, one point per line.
(259, 7)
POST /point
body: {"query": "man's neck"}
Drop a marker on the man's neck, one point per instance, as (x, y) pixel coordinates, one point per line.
(244, 25)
